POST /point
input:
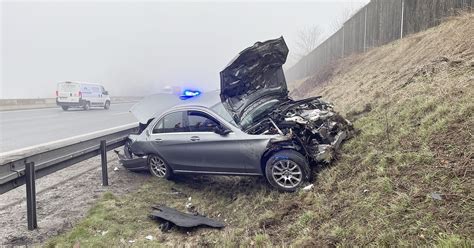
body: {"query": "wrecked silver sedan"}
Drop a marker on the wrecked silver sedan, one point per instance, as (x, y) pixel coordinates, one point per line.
(250, 127)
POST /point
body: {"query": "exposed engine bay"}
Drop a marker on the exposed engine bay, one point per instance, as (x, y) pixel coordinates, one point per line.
(255, 79)
(311, 125)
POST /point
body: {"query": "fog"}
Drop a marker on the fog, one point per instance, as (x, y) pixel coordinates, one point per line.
(137, 48)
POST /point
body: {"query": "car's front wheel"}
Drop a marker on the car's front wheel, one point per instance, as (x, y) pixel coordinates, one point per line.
(158, 167)
(107, 105)
(287, 170)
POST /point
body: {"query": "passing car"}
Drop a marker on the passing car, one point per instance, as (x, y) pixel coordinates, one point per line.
(81, 95)
(248, 127)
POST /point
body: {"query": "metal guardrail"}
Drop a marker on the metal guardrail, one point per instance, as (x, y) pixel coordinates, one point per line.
(25, 165)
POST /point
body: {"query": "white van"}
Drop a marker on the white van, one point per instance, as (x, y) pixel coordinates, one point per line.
(83, 95)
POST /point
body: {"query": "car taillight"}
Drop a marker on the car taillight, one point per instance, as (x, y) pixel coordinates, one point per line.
(56, 93)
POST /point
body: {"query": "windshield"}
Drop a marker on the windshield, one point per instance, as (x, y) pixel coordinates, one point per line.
(253, 115)
(222, 112)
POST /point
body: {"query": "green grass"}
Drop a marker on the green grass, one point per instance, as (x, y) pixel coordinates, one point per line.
(378, 193)
(413, 141)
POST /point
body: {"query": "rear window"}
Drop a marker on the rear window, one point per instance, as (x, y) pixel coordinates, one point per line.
(65, 87)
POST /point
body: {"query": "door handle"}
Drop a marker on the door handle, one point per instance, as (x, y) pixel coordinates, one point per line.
(195, 138)
(158, 140)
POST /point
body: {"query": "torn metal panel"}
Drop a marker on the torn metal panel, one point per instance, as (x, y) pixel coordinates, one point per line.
(311, 123)
(255, 73)
(183, 219)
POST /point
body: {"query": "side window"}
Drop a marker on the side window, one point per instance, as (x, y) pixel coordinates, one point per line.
(158, 127)
(170, 123)
(201, 122)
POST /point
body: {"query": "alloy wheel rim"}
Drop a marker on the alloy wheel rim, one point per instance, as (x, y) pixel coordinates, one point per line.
(158, 166)
(287, 173)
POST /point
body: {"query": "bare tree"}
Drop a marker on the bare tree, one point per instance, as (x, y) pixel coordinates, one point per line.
(339, 21)
(308, 39)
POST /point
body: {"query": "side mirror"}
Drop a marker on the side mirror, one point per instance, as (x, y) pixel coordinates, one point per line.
(105, 93)
(221, 131)
(147, 132)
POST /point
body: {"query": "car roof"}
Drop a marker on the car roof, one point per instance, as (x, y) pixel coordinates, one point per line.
(155, 105)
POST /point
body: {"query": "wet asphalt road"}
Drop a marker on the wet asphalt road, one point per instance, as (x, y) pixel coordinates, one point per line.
(23, 128)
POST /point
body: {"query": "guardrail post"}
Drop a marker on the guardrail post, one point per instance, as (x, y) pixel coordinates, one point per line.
(30, 195)
(103, 157)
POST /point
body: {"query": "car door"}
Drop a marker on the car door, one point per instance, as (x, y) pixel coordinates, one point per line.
(167, 138)
(205, 150)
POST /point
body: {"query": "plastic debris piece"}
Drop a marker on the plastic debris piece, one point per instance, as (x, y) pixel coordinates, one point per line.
(309, 187)
(149, 237)
(436, 196)
(181, 219)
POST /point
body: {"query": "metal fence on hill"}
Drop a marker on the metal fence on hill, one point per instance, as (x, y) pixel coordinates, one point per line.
(377, 23)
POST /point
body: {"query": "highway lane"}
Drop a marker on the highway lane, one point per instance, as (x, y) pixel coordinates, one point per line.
(23, 128)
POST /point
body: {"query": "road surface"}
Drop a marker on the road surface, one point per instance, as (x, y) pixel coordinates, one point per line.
(23, 128)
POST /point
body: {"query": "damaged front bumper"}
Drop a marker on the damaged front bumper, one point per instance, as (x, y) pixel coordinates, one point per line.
(134, 163)
(326, 152)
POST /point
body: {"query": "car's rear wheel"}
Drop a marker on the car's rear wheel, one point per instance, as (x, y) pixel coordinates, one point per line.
(287, 170)
(158, 167)
(65, 108)
(107, 105)
(87, 106)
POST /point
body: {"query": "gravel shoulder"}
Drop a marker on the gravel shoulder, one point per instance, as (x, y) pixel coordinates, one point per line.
(63, 198)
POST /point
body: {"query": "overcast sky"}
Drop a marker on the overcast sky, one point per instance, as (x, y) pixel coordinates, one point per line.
(137, 48)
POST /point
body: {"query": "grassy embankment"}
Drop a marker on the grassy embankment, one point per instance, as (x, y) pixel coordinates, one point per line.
(412, 101)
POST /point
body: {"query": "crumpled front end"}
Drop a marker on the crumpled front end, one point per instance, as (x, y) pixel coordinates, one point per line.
(312, 125)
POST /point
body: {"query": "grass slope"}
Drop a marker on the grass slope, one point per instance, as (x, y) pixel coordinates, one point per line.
(412, 101)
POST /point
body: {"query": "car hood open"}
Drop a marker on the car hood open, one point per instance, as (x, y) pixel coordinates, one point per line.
(255, 73)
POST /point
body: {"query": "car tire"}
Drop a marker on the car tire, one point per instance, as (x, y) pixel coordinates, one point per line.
(87, 106)
(65, 108)
(158, 167)
(287, 170)
(107, 105)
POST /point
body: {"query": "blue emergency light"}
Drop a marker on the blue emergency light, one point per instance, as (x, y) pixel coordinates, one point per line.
(190, 93)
